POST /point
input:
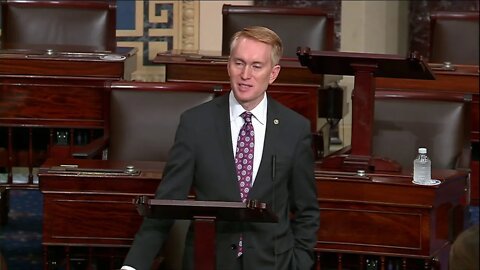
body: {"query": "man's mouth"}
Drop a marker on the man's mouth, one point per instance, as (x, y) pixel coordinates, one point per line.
(243, 86)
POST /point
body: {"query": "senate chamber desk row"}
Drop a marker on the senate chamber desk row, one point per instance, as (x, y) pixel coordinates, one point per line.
(371, 217)
(91, 214)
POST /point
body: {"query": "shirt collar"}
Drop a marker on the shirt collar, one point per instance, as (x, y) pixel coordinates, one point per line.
(259, 112)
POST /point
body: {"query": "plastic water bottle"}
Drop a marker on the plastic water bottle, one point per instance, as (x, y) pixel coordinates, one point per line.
(422, 167)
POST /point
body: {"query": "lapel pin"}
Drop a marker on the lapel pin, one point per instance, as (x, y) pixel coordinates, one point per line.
(275, 121)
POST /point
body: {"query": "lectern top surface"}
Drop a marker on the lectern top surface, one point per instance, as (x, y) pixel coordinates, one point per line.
(383, 65)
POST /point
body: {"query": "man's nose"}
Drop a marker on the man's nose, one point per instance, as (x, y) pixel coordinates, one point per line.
(246, 72)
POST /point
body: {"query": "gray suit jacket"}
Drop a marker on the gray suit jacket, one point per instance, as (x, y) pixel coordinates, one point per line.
(202, 159)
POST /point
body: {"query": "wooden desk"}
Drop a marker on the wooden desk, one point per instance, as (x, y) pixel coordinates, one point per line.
(119, 64)
(461, 79)
(387, 216)
(212, 67)
(92, 210)
(43, 93)
(87, 207)
(378, 215)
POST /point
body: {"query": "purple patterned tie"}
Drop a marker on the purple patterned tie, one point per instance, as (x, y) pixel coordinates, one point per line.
(244, 161)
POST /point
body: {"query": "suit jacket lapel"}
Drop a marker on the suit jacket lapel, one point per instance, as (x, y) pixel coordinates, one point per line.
(222, 122)
(264, 176)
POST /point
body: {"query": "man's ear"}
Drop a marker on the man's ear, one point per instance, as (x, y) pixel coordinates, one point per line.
(228, 67)
(274, 74)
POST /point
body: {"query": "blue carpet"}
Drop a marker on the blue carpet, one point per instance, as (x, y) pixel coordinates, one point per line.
(21, 237)
(473, 212)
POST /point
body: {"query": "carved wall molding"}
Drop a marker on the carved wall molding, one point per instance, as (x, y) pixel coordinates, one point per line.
(190, 25)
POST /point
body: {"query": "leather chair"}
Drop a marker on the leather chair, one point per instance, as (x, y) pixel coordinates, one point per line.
(143, 118)
(143, 121)
(407, 120)
(67, 25)
(454, 37)
(311, 27)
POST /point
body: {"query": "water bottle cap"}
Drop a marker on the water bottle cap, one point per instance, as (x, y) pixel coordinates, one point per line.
(422, 150)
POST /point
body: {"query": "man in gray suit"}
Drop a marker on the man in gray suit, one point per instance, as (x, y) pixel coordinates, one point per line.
(277, 168)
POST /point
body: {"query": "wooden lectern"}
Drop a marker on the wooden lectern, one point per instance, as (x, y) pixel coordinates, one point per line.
(365, 67)
(204, 214)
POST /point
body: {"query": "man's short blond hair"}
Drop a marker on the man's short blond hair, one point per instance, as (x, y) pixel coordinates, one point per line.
(262, 34)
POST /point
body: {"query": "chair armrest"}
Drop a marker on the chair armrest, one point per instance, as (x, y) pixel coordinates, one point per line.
(91, 150)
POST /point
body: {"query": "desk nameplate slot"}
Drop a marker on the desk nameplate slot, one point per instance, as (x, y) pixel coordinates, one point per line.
(74, 170)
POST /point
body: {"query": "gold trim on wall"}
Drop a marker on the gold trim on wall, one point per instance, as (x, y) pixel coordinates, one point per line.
(190, 13)
(185, 32)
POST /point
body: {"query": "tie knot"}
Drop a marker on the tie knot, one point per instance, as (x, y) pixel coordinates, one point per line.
(247, 117)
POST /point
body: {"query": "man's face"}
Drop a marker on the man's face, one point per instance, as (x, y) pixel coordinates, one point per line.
(251, 71)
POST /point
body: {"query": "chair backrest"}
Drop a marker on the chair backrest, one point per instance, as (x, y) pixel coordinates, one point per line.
(144, 117)
(132, 105)
(143, 120)
(305, 27)
(454, 37)
(405, 121)
(67, 25)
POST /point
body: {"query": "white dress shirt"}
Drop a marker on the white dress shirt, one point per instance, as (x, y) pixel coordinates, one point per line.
(259, 121)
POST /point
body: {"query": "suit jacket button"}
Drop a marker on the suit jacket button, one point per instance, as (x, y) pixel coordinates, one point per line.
(233, 246)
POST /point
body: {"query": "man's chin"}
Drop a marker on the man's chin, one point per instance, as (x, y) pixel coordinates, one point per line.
(242, 95)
